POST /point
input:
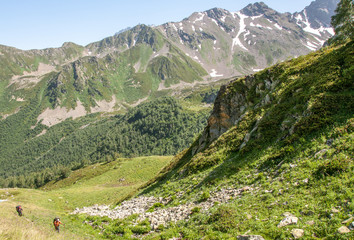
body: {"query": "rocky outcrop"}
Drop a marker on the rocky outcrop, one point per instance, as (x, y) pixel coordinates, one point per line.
(232, 103)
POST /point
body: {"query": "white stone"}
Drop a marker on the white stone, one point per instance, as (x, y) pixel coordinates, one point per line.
(297, 233)
(290, 220)
(343, 230)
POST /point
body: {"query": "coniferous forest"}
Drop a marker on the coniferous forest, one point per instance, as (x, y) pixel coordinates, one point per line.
(160, 127)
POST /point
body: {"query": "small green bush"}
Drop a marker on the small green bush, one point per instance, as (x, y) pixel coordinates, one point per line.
(140, 229)
(195, 210)
(335, 166)
(154, 206)
(205, 195)
(224, 219)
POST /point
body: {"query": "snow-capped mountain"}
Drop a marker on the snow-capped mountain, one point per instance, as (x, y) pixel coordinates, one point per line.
(229, 43)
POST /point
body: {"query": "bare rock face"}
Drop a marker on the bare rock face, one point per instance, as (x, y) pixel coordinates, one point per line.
(232, 103)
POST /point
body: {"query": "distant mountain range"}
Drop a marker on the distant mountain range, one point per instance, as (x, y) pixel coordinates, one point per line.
(143, 63)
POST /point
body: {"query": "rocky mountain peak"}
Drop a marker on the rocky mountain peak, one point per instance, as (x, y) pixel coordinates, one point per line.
(256, 9)
(69, 45)
(216, 13)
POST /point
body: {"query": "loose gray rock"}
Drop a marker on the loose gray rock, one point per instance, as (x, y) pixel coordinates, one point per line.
(335, 210)
(343, 230)
(297, 233)
(348, 220)
(160, 216)
(250, 237)
(351, 226)
(320, 154)
(329, 142)
(287, 214)
(312, 222)
(290, 220)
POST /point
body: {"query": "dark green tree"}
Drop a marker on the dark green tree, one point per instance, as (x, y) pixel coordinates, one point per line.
(343, 20)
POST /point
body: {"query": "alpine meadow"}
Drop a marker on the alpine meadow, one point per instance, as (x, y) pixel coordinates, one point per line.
(225, 125)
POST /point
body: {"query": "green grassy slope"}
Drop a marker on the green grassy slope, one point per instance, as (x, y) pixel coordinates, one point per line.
(298, 157)
(97, 184)
(303, 166)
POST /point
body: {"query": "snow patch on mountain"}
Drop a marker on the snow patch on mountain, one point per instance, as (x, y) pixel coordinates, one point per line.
(255, 17)
(214, 73)
(310, 46)
(174, 27)
(256, 25)
(324, 10)
(278, 26)
(201, 16)
(236, 40)
(215, 21)
(305, 21)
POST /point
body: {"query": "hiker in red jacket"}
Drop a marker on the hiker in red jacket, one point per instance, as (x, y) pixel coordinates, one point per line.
(56, 223)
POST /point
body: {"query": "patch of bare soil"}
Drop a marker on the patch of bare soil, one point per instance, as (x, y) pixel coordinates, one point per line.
(54, 116)
(31, 77)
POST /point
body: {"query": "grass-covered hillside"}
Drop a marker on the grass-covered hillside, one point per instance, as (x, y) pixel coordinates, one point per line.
(287, 158)
(102, 183)
(282, 170)
(36, 155)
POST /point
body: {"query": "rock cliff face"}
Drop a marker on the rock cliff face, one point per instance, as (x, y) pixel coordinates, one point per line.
(232, 103)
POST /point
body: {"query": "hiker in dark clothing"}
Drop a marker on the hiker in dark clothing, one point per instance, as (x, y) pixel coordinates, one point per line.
(19, 210)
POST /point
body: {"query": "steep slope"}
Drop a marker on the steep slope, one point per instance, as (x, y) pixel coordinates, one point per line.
(275, 161)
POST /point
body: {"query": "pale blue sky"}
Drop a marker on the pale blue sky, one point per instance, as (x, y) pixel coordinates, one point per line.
(37, 24)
